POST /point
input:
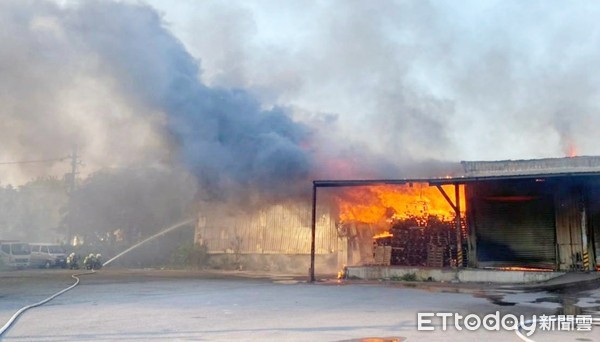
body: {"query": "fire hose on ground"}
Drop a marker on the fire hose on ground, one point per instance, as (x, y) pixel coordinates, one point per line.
(75, 276)
(22, 310)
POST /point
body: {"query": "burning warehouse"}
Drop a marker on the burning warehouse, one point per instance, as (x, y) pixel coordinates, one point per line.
(537, 215)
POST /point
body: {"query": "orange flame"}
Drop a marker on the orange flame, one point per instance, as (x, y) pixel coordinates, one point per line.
(383, 235)
(572, 152)
(381, 203)
(529, 269)
(342, 273)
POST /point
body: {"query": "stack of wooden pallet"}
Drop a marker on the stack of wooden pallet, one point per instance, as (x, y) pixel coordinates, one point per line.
(382, 255)
(435, 255)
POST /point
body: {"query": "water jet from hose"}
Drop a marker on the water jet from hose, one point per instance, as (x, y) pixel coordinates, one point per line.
(162, 232)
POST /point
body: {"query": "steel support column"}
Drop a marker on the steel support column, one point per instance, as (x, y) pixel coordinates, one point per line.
(459, 251)
(456, 206)
(313, 234)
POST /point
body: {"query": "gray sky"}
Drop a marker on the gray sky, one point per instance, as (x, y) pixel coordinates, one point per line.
(375, 84)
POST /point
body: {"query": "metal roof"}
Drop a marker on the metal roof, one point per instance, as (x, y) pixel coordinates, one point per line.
(365, 182)
(493, 170)
(554, 166)
(462, 180)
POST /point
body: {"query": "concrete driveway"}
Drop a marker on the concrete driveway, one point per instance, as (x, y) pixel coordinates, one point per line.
(195, 306)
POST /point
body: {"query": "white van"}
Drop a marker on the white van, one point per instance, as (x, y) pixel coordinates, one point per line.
(15, 254)
(48, 255)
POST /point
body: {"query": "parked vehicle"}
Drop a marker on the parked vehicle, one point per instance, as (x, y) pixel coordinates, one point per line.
(15, 254)
(48, 255)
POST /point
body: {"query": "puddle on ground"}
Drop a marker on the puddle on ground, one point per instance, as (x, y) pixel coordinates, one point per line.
(286, 281)
(567, 299)
(497, 299)
(547, 300)
(568, 305)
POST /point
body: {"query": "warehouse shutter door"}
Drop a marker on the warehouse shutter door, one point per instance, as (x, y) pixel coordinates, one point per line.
(515, 232)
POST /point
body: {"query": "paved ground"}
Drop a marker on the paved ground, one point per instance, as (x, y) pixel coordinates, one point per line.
(193, 306)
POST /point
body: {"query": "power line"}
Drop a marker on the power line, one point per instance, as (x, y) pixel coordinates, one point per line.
(35, 161)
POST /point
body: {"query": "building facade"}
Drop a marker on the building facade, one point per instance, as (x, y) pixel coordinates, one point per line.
(534, 213)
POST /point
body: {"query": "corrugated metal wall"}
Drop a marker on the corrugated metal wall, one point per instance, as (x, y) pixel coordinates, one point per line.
(568, 226)
(594, 219)
(278, 229)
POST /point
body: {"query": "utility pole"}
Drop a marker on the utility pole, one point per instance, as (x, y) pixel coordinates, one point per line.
(71, 189)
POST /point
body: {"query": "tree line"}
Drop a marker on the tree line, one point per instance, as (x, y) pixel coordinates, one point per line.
(107, 206)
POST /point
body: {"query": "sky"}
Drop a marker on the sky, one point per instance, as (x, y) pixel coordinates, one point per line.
(358, 89)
